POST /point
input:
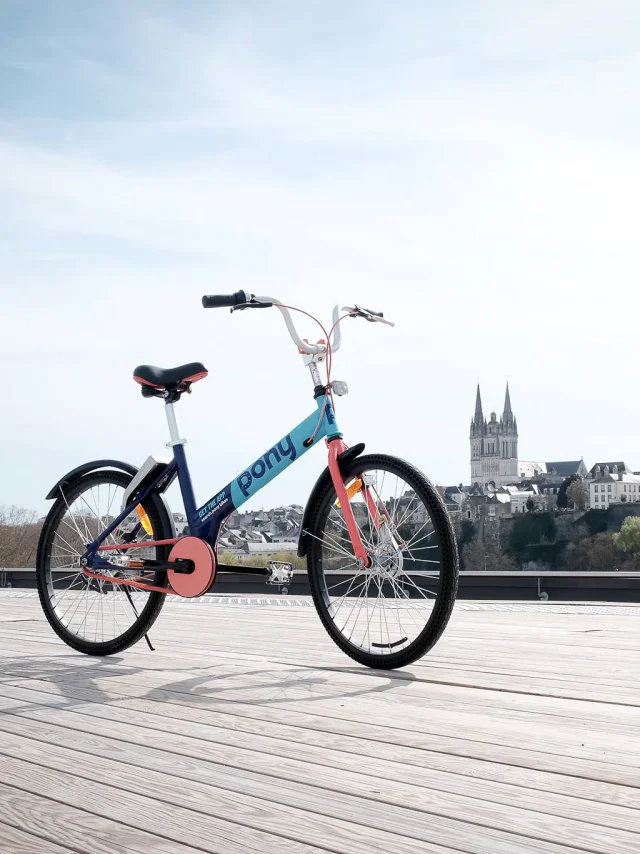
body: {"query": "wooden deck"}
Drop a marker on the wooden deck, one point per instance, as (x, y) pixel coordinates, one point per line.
(248, 731)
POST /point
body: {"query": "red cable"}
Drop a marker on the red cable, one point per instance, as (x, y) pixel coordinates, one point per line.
(328, 361)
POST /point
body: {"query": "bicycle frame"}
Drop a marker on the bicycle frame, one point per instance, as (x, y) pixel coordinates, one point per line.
(205, 521)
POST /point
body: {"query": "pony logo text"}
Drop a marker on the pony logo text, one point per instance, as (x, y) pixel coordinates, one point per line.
(284, 448)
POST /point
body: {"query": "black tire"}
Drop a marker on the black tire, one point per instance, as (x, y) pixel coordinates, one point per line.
(162, 529)
(441, 540)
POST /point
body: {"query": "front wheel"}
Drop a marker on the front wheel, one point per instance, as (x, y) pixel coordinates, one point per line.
(392, 612)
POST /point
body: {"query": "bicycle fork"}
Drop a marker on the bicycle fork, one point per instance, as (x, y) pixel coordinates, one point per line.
(379, 515)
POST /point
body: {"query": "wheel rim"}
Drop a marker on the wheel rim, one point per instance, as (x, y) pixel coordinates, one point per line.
(384, 608)
(91, 610)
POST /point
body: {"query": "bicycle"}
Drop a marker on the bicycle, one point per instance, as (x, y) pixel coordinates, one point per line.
(381, 555)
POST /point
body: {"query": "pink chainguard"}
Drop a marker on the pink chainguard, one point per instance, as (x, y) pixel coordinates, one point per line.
(127, 582)
(181, 584)
(143, 544)
(337, 446)
(204, 567)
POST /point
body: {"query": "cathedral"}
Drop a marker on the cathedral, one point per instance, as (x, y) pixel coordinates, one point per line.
(494, 446)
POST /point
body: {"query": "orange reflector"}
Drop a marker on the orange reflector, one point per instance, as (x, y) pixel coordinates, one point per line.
(144, 520)
(354, 486)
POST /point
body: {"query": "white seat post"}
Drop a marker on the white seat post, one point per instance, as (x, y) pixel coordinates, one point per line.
(173, 427)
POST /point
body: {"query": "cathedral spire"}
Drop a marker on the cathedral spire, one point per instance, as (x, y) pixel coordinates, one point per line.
(478, 418)
(507, 405)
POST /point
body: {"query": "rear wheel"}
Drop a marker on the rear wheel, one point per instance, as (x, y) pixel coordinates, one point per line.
(98, 617)
(391, 613)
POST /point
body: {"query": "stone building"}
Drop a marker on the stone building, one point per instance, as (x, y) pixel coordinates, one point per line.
(494, 445)
(612, 483)
(494, 455)
(550, 476)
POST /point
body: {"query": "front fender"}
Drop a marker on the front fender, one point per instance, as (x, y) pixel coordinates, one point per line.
(320, 485)
(85, 468)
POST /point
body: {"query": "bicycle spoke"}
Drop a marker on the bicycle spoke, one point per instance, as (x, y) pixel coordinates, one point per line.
(385, 607)
(93, 610)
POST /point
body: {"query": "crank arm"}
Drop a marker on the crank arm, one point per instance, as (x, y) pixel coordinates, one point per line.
(180, 565)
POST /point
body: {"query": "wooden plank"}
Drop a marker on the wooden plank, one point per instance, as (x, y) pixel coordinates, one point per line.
(481, 812)
(299, 728)
(550, 684)
(64, 825)
(159, 815)
(107, 719)
(198, 824)
(480, 698)
(518, 733)
(405, 831)
(438, 695)
(16, 841)
(326, 692)
(417, 739)
(525, 653)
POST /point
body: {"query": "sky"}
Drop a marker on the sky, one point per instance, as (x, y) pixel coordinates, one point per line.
(472, 169)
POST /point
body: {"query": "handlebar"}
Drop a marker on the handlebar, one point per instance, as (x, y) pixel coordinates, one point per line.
(243, 300)
(303, 346)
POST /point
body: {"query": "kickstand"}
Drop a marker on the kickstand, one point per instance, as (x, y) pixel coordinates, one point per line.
(135, 611)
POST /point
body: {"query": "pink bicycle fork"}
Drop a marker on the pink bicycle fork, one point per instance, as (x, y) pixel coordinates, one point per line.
(337, 447)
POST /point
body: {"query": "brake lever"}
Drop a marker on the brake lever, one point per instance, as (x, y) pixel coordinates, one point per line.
(254, 303)
(367, 314)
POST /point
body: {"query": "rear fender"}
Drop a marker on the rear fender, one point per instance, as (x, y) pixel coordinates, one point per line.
(78, 473)
(75, 474)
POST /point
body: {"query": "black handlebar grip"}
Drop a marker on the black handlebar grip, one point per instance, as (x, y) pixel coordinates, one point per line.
(225, 300)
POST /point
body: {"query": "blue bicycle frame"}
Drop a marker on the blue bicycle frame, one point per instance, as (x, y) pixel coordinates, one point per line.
(205, 521)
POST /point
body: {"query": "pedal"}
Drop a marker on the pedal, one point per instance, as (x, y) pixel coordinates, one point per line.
(279, 572)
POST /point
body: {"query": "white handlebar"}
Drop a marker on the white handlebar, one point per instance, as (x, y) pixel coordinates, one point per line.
(311, 349)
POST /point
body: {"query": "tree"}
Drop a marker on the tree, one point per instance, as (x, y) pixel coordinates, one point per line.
(578, 494)
(593, 554)
(530, 529)
(628, 538)
(19, 532)
(530, 505)
(467, 532)
(562, 492)
(478, 557)
(578, 532)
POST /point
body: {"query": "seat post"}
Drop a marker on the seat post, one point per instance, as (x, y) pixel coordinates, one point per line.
(173, 426)
(186, 487)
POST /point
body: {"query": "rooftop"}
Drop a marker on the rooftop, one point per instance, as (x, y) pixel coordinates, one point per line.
(531, 468)
(564, 468)
(619, 465)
